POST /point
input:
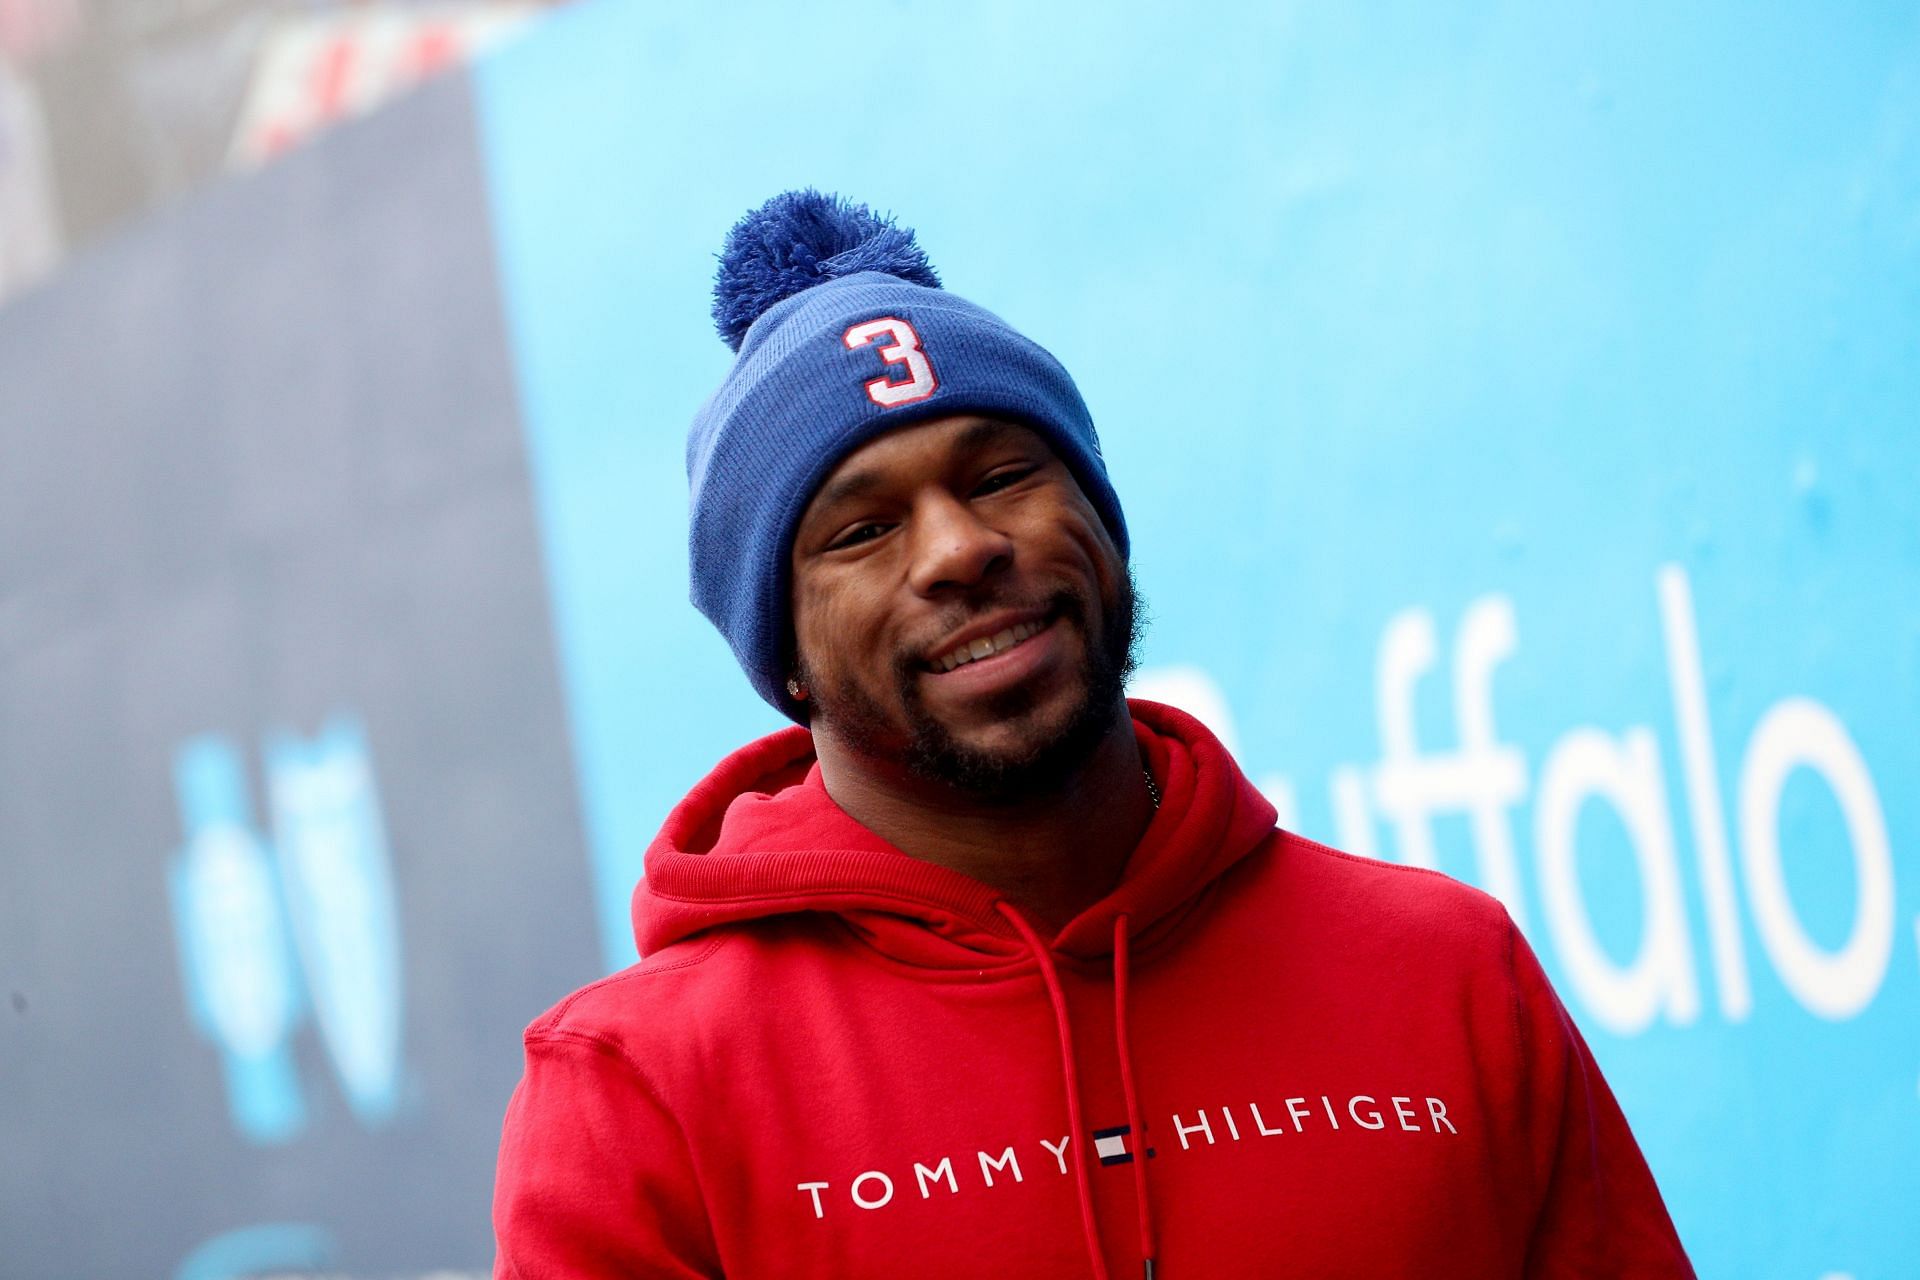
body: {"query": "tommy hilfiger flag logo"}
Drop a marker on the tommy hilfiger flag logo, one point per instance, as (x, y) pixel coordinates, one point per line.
(1111, 1145)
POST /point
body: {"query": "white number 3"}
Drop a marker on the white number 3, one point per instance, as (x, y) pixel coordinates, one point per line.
(903, 347)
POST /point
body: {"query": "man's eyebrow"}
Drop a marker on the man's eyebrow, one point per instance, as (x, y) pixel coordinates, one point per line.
(987, 431)
(854, 484)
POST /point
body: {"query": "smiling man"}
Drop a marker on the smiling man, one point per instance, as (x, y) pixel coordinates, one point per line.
(982, 969)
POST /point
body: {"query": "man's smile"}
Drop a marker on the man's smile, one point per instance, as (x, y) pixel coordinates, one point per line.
(1008, 658)
(994, 636)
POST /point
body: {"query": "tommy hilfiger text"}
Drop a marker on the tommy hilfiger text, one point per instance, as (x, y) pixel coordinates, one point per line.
(1234, 1122)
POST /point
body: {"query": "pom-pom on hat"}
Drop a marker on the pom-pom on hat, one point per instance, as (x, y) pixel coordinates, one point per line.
(843, 332)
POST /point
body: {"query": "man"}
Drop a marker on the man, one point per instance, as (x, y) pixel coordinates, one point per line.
(985, 971)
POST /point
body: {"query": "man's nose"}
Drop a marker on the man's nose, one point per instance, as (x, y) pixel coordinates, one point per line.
(953, 547)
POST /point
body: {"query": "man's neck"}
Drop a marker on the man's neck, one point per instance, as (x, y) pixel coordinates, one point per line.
(1052, 855)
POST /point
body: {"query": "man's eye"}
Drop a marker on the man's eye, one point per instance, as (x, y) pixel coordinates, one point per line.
(1001, 479)
(856, 535)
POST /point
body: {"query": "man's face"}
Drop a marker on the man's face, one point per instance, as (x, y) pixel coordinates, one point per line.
(942, 541)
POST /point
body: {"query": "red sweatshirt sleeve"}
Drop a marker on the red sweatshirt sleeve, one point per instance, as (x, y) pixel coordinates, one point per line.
(595, 1178)
(1600, 1214)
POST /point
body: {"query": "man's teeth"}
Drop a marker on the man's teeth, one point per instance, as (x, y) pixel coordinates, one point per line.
(987, 646)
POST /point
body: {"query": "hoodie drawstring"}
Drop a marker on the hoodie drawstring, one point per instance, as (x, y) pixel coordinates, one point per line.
(1136, 1126)
(1083, 1178)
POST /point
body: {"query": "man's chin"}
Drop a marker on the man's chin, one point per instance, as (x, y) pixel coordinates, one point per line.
(1027, 752)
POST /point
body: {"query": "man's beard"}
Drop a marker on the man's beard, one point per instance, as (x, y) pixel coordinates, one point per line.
(932, 753)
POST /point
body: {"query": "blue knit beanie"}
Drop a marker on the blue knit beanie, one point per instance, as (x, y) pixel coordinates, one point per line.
(843, 333)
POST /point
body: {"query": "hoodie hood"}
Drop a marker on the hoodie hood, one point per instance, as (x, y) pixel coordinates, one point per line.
(760, 837)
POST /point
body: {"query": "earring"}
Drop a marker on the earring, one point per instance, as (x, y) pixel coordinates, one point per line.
(796, 690)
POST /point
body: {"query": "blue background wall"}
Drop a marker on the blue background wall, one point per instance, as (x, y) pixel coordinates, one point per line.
(1571, 347)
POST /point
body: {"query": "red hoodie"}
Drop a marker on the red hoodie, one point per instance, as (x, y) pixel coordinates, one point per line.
(837, 1060)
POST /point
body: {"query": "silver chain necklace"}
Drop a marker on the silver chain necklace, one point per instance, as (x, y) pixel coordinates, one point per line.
(1153, 788)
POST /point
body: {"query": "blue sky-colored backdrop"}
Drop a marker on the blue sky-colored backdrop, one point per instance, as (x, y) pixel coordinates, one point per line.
(1383, 311)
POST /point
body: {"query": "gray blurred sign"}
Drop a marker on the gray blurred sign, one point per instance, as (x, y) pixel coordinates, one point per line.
(288, 842)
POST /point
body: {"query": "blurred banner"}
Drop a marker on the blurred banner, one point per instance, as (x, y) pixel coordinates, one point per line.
(1513, 412)
(287, 814)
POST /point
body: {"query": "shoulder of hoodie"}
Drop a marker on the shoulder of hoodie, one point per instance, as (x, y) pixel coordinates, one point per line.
(687, 985)
(1391, 903)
